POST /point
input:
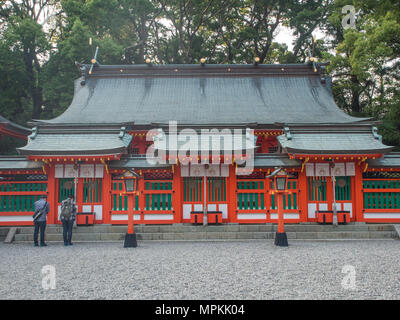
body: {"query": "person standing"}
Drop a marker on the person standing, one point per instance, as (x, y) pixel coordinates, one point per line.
(67, 217)
(42, 208)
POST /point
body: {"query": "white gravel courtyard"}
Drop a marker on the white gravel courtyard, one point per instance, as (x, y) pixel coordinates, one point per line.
(203, 270)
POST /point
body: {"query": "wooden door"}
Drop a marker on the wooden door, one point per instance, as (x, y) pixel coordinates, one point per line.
(320, 195)
(87, 194)
(91, 199)
(216, 198)
(193, 193)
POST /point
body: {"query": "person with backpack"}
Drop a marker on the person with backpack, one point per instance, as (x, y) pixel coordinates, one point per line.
(42, 208)
(67, 217)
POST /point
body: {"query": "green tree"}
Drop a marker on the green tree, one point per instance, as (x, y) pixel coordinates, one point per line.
(24, 38)
(366, 64)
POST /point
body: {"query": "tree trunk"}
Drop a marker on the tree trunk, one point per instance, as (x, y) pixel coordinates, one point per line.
(355, 100)
(35, 89)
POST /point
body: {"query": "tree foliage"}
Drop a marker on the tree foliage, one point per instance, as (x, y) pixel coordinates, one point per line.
(40, 41)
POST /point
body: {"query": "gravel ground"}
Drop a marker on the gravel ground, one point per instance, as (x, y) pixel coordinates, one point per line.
(203, 270)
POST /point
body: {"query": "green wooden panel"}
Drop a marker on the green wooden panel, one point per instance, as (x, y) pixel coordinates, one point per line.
(262, 200)
(273, 206)
(153, 200)
(382, 200)
(17, 203)
(12, 203)
(343, 193)
(63, 191)
(397, 200)
(284, 202)
(114, 202)
(7, 203)
(120, 202)
(28, 203)
(136, 202)
(256, 200)
(191, 193)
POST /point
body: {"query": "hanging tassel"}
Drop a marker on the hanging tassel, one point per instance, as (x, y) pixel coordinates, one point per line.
(304, 163)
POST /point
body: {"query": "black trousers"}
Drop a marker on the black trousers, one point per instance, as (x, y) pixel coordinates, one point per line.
(67, 230)
(39, 226)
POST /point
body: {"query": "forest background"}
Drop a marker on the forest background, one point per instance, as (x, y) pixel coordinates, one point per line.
(40, 41)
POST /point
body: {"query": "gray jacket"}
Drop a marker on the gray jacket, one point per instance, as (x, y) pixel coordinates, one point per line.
(39, 205)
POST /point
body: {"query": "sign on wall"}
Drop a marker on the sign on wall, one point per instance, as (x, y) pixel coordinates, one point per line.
(70, 171)
(350, 169)
(79, 171)
(325, 169)
(322, 169)
(338, 170)
(86, 171)
(200, 170)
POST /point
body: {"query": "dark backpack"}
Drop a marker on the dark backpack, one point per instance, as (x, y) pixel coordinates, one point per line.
(67, 209)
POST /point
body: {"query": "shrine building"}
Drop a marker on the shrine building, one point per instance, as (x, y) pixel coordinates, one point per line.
(123, 122)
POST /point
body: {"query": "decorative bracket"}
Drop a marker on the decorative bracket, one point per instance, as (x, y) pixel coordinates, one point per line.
(122, 132)
(287, 133)
(34, 133)
(159, 136)
(376, 135)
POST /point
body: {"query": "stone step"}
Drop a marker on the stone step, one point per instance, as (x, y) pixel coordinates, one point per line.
(75, 237)
(95, 236)
(11, 234)
(3, 233)
(177, 228)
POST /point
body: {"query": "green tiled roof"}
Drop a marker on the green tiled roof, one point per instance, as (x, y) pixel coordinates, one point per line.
(13, 127)
(210, 95)
(18, 162)
(76, 143)
(389, 160)
(271, 161)
(136, 162)
(340, 142)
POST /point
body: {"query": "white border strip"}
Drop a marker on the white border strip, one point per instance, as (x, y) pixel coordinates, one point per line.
(118, 217)
(16, 218)
(158, 217)
(286, 216)
(378, 215)
(244, 216)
